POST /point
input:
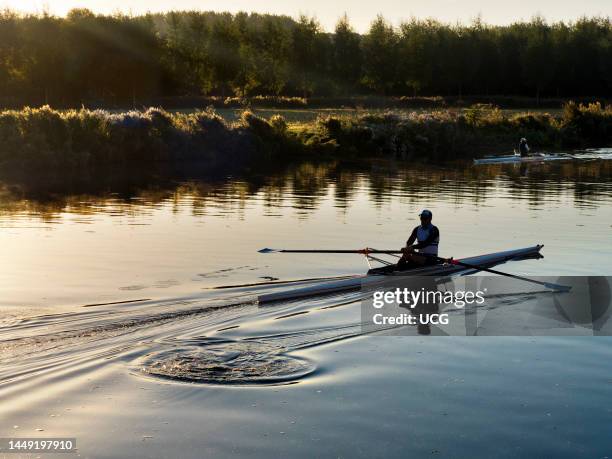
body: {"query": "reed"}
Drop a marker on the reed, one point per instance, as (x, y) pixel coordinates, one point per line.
(44, 137)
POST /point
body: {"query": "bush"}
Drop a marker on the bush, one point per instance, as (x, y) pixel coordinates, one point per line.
(590, 122)
(279, 124)
(43, 137)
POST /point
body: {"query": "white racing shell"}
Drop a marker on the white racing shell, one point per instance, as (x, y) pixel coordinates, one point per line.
(446, 269)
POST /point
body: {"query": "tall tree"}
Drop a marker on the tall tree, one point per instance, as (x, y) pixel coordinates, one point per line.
(304, 52)
(118, 59)
(418, 44)
(380, 56)
(346, 56)
(538, 57)
(223, 51)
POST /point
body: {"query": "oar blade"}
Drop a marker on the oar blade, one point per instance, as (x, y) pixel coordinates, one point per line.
(268, 250)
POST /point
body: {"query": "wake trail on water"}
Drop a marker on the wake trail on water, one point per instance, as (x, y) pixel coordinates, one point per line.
(219, 336)
(216, 337)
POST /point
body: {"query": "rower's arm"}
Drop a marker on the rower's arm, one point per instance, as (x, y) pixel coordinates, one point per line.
(433, 235)
(412, 238)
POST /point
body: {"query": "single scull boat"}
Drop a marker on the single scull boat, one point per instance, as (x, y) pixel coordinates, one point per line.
(516, 158)
(378, 276)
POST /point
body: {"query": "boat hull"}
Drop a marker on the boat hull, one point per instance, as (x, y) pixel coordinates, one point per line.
(371, 280)
(520, 159)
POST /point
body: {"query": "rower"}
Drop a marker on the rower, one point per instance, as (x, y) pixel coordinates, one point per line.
(523, 147)
(425, 251)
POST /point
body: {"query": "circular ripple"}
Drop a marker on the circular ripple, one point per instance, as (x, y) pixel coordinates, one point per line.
(232, 363)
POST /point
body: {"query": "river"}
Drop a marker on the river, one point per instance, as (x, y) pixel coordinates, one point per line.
(110, 321)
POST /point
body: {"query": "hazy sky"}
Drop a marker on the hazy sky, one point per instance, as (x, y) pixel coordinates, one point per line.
(360, 13)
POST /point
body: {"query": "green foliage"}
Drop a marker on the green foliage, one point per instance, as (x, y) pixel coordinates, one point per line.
(346, 59)
(590, 121)
(278, 123)
(256, 124)
(305, 53)
(47, 138)
(380, 56)
(483, 114)
(450, 134)
(123, 60)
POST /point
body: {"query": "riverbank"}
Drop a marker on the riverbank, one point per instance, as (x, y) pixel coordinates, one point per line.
(356, 102)
(44, 137)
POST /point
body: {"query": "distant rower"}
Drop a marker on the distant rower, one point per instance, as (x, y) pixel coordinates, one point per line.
(427, 237)
(523, 147)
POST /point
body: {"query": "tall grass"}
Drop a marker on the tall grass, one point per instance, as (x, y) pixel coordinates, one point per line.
(452, 134)
(44, 137)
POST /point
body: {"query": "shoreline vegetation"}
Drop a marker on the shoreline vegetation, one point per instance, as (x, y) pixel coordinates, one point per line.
(420, 90)
(367, 102)
(45, 138)
(113, 61)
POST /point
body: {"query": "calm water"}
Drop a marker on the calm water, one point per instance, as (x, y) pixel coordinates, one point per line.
(146, 240)
(109, 327)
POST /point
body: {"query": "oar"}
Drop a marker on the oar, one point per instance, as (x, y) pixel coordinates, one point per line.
(361, 251)
(562, 288)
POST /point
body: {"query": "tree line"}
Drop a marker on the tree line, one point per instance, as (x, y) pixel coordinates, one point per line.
(86, 58)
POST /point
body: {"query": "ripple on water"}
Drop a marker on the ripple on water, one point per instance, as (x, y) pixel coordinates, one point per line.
(227, 363)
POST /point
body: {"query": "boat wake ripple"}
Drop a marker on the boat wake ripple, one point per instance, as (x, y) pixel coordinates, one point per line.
(206, 339)
(233, 362)
(260, 359)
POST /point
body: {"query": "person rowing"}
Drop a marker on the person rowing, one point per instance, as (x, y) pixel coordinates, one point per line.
(523, 148)
(425, 251)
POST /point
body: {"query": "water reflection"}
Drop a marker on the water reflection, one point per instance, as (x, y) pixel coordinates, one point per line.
(124, 235)
(303, 187)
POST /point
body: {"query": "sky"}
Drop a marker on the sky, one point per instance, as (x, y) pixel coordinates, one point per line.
(360, 13)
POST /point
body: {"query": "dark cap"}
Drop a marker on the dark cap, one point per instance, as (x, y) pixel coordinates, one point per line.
(426, 213)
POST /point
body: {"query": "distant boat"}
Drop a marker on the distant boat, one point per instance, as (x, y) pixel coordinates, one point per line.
(517, 158)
